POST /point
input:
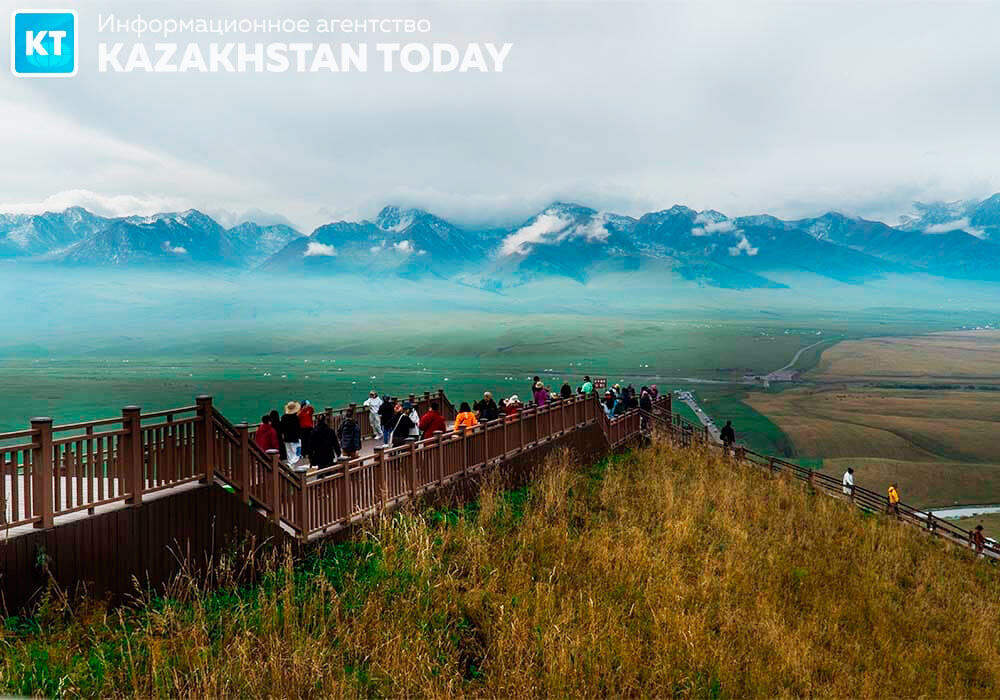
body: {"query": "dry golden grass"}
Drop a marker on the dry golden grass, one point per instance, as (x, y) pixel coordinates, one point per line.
(990, 523)
(965, 357)
(922, 484)
(887, 423)
(671, 574)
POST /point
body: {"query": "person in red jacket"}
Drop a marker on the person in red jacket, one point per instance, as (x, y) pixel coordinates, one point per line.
(306, 423)
(266, 436)
(431, 422)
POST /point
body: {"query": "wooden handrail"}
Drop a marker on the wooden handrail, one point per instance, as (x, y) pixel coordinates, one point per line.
(861, 497)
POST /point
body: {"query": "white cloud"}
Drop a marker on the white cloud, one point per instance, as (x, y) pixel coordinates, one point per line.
(404, 247)
(100, 204)
(962, 224)
(553, 228)
(178, 249)
(317, 249)
(743, 247)
(714, 227)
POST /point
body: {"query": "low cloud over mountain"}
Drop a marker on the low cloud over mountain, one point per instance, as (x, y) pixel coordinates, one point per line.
(956, 240)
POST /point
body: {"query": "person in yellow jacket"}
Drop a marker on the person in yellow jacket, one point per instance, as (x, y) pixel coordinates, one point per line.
(465, 418)
(893, 499)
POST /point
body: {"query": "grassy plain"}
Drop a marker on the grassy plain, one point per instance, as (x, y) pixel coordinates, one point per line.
(249, 370)
(664, 574)
(956, 357)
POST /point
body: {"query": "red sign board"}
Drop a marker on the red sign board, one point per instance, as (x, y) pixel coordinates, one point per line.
(600, 383)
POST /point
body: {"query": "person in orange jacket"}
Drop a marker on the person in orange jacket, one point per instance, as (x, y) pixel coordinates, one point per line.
(893, 499)
(465, 418)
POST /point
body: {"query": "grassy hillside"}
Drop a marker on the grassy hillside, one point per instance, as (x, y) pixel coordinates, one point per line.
(663, 573)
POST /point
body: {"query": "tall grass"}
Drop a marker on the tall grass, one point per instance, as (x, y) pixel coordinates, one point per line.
(663, 573)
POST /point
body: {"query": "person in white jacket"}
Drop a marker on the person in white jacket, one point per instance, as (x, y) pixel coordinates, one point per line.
(373, 403)
(849, 482)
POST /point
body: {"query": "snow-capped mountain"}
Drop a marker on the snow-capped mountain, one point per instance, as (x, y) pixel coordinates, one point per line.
(957, 240)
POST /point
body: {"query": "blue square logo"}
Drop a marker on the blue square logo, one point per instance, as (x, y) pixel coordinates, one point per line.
(43, 43)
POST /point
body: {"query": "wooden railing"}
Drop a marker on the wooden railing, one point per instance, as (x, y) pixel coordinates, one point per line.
(51, 471)
(331, 498)
(685, 433)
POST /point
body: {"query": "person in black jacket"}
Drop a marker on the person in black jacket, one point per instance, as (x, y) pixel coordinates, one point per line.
(402, 426)
(291, 433)
(350, 435)
(324, 448)
(487, 408)
(387, 413)
(728, 435)
(567, 391)
(276, 424)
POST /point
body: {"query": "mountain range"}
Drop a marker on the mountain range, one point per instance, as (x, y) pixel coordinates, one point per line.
(958, 240)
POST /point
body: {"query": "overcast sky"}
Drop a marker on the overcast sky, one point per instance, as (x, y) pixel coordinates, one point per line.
(790, 108)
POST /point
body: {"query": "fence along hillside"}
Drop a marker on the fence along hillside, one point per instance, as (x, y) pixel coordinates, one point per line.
(53, 472)
(686, 434)
(57, 475)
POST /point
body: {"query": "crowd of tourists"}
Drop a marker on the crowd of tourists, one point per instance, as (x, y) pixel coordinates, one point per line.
(300, 433)
(303, 437)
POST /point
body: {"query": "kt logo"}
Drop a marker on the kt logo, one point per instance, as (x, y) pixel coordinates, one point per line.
(43, 43)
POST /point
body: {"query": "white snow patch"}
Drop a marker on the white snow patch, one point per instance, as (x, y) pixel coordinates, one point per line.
(316, 249)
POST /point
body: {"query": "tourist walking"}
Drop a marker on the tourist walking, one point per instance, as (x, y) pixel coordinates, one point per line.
(276, 424)
(541, 396)
(324, 448)
(266, 436)
(588, 386)
(487, 408)
(432, 422)
(465, 418)
(373, 403)
(977, 540)
(305, 424)
(349, 434)
(511, 406)
(401, 428)
(893, 498)
(728, 435)
(610, 404)
(848, 482)
(291, 433)
(387, 414)
(411, 412)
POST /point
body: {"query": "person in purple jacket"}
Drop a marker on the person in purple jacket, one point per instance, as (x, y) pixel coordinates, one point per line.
(541, 395)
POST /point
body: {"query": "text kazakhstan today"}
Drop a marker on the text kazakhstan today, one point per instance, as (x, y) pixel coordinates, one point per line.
(300, 57)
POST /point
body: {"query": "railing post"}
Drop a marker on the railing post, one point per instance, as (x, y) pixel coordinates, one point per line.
(411, 467)
(205, 434)
(520, 428)
(442, 403)
(504, 428)
(465, 451)
(242, 474)
(275, 486)
(346, 492)
(301, 506)
(130, 452)
(41, 472)
(380, 475)
(439, 441)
